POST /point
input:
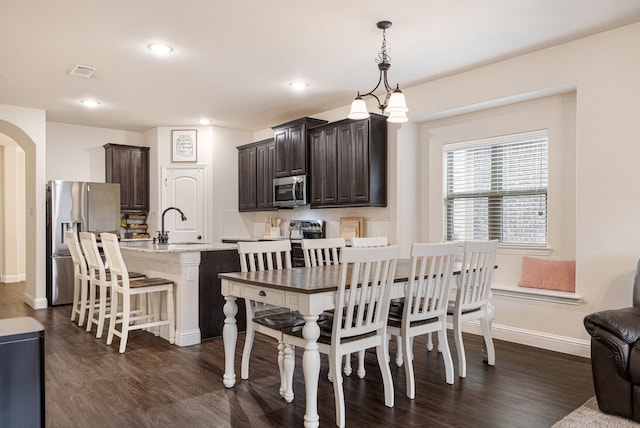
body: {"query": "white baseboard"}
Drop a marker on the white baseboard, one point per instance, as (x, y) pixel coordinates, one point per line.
(9, 279)
(188, 338)
(551, 342)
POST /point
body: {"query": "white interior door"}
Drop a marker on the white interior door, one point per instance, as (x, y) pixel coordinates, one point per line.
(184, 187)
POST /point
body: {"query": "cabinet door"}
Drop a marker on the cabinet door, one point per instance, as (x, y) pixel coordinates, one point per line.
(297, 150)
(119, 172)
(316, 166)
(324, 178)
(139, 179)
(265, 163)
(345, 163)
(281, 141)
(247, 178)
(360, 141)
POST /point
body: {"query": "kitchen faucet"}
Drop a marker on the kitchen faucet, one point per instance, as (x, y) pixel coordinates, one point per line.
(163, 236)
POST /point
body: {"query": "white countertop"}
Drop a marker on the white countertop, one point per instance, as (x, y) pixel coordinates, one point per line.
(184, 247)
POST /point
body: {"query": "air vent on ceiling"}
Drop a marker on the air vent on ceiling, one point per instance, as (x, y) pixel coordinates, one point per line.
(85, 71)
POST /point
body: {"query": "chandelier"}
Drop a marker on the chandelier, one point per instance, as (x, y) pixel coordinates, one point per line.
(393, 102)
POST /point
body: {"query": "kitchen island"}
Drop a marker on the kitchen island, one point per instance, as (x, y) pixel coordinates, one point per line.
(194, 268)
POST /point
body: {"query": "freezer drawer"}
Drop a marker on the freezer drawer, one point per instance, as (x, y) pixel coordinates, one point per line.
(60, 284)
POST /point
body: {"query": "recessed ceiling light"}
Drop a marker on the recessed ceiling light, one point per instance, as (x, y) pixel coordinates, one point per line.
(90, 103)
(204, 121)
(299, 85)
(160, 48)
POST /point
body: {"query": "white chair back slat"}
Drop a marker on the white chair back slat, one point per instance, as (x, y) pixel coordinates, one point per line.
(92, 255)
(322, 252)
(430, 281)
(111, 248)
(261, 255)
(79, 262)
(363, 293)
(476, 274)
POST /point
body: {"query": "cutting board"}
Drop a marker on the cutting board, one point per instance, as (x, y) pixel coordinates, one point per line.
(351, 227)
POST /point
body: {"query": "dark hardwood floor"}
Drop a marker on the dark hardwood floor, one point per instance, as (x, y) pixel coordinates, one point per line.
(155, 384)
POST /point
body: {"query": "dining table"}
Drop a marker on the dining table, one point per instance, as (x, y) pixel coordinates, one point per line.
(311, 291)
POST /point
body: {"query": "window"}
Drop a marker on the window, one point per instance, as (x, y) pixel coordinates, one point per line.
(497, 189)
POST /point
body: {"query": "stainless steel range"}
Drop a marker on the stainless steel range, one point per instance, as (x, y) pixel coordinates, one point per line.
(303, 229)
(307, 229)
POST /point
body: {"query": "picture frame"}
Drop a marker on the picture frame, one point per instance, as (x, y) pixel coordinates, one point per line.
(184, 145)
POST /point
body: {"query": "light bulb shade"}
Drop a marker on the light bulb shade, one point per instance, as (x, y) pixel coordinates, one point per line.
(358, 109)
(397, 103)
(397, 117)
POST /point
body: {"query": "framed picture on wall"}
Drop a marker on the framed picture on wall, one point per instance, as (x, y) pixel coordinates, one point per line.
(184, 145)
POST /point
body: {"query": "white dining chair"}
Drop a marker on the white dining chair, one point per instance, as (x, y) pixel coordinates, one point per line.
(360, 320)
(265, 318)
(322, 252)
(98, 301)
(363, 242)
(473, 297)
(124, 288)
(325, 252)
(81, 278)
(424, 307)
(99, 282)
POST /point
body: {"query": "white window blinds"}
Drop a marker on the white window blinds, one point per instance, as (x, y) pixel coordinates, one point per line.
(497, 189)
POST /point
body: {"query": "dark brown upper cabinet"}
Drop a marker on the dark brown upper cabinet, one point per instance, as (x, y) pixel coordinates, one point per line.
(256, 163)
(290, 141)
(348, 163)
(129, 166)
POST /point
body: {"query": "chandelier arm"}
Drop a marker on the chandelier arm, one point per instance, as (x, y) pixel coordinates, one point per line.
(374, 89)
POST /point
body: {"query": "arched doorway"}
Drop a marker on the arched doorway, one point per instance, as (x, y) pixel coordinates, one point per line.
(12, 211)
(27, 128)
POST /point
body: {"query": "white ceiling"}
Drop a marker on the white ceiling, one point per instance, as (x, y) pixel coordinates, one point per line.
(233, 60)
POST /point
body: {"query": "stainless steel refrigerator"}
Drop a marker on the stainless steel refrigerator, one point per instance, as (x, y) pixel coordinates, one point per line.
(80, 207)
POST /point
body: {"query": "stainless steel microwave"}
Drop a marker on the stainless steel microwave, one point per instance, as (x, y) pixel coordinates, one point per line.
(290, 191)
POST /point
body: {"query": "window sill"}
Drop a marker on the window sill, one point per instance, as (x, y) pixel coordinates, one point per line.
(511, 290)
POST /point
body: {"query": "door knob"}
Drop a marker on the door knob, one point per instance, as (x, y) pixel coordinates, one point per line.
(199, 236)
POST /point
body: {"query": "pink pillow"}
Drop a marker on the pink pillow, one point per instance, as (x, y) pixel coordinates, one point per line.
(557, 275)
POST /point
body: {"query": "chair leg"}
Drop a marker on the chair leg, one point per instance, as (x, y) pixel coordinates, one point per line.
(83, 302)
(399, 351)
(102, 311)
(113, 319)
(76, 300)
(347, 365)
(405, 348)
(485, 325)
(126, 313)
(429, 342)
(171, 315)
(462, 360)
(338, 392)
(289, 367)
(361, 371)
(92, 305)
(382, 352)
(248, 342)
(443, 345)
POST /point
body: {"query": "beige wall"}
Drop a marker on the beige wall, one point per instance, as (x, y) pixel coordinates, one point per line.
(75, 152)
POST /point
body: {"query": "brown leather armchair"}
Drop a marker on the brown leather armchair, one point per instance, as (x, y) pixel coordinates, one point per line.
(615, 356)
